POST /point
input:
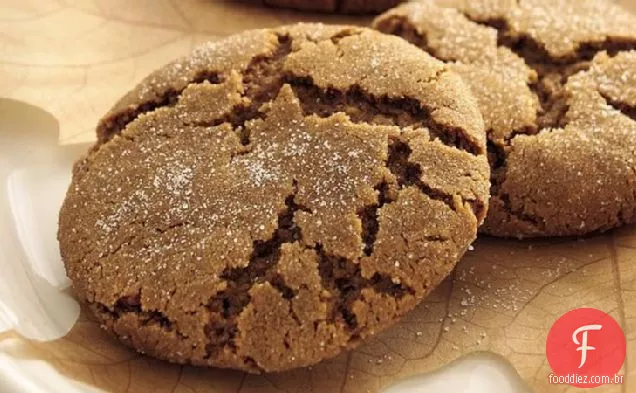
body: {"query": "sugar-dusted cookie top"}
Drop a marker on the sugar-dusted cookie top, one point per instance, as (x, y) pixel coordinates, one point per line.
(276, 197)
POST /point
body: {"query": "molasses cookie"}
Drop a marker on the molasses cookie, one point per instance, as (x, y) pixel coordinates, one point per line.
(556, 83)
(276, 197)
(338, 6)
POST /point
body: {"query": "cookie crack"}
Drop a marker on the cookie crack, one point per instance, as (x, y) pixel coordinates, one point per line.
(343, 279)
(497, 158)
(535, 53)
(132, 238)
(553, 72)
(336, 38)
(369, 217)
(409, 174)
(363, 107)
(498, 150)
(402, 27)
(116, 123)
(112, 251)
(171, 227)
(228, 304)
(131, 304)
(624, 108)
(520, 214)
(262, 80)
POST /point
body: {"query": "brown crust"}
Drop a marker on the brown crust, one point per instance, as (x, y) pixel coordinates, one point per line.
(281, 208)
(523, 71)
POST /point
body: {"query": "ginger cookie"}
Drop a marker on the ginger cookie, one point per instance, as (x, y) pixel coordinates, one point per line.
(336, 6)
(556, 83)
(276, 197)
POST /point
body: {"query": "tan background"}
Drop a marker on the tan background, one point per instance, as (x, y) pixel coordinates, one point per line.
(74, 58)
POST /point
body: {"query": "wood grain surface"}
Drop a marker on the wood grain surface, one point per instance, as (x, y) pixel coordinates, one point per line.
(75, 58)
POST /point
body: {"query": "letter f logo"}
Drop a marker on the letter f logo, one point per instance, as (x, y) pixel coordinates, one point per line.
(583, 344)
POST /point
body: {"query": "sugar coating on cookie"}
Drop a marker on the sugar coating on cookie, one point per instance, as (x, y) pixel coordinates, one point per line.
(337, 6)
(276, 197)
(555, 81)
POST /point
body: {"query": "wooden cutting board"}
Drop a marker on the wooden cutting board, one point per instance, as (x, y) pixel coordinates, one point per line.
(75, 58)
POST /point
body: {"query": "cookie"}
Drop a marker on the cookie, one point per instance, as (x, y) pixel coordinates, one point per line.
(339, 6)
(276, 197)
(556, 84)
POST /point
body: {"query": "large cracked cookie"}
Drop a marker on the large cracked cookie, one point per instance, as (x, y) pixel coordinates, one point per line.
(276, 197)
(339, 6)
(556, 83)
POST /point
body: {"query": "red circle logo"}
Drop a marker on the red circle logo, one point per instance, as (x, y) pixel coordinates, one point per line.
(586, 348)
